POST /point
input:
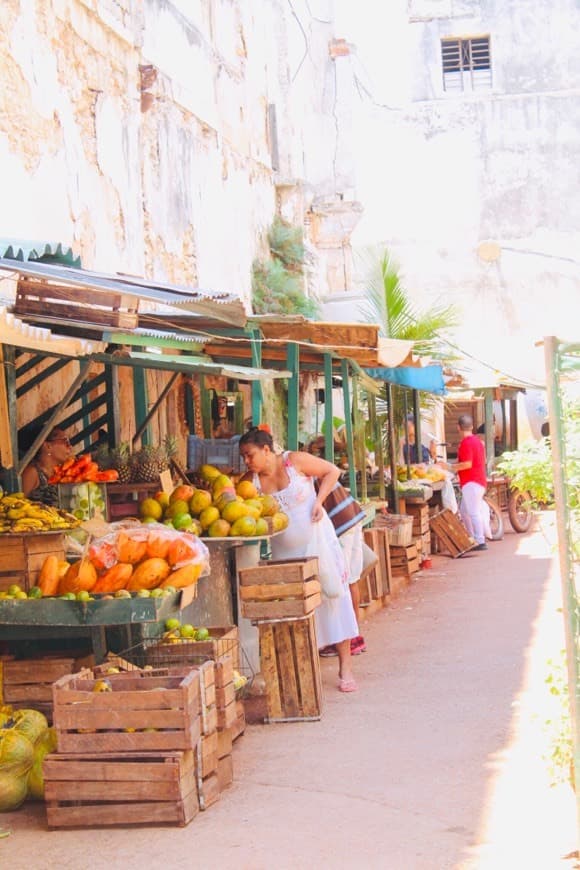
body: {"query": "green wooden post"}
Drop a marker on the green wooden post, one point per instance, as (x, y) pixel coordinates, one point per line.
(359, 438)
(392, 447)
(293, 364)
(489, 429)
(12, 478)
(344, 367)
(417, 421)
(189, 407)
(377, 436)
(257, 394)
(205, 409)
(328, 415)
(140, 400)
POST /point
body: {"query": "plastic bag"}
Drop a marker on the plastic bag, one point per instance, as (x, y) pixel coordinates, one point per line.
(332, 569)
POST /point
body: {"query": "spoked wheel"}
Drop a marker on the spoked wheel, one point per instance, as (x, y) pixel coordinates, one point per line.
(495, 520)
(520, 510)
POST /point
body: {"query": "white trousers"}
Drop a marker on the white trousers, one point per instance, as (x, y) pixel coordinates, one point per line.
(474, 511)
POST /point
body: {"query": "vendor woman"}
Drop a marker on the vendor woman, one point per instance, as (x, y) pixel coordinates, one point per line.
(54, 451)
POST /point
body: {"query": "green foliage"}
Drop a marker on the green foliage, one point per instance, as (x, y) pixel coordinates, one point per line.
(388, 304)
(530, 470)
(286, 243)
(558, 727)
(277, 283)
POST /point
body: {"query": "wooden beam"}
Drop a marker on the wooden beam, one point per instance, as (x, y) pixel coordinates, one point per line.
(348, 425)
(293, 364)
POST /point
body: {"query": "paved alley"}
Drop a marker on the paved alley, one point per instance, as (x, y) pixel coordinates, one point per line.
(434, 763)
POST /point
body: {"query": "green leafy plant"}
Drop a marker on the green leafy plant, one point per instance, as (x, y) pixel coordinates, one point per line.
(278, 282)
(530, 470)
(558, 727)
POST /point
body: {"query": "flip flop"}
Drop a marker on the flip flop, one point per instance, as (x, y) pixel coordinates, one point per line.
(346, 685)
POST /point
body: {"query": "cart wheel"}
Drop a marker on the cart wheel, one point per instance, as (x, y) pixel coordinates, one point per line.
(520, 510)
(495, 520)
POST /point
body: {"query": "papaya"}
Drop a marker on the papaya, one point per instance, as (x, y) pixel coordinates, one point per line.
(48, 578)
(181, 550)
(103, 555)
(131, 549)
(63, 567)
(114, 579)
(82, 575)
(157, 545)
(184, 576)
(149, 574)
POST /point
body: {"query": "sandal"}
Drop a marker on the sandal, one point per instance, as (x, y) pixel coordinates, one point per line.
(329, 650)
(346, 685)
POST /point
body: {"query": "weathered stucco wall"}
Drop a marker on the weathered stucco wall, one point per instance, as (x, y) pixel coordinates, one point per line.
(442, 175)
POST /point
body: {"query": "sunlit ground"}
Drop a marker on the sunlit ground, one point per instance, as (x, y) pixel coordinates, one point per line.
(526, 823)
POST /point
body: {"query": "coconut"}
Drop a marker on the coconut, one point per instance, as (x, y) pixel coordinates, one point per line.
(30, 723)
(13, 790)
(16, 752)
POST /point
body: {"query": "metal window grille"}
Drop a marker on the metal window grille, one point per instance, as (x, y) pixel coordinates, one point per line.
(466, 64)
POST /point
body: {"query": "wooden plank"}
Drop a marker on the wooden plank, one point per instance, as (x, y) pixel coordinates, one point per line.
(226, 716)
(40, 693)
(224, 672)
(225, 740)
(316, 662)
(286, 669)
(307, 662)
(225, 695)
(270, 671)
(121, 741)
(60, 790)
(110, 767)
(225, 772)
(139, 813)
(209, 753)
(69, 719)
(284, 571)
(209, 791)
(273, 591)
(280, 609)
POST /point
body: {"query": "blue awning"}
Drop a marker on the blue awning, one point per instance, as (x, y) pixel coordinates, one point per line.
(428, 379)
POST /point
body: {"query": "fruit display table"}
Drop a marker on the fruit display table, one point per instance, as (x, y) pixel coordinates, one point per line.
(50, 618)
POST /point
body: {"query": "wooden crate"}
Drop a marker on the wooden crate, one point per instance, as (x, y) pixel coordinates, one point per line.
(208, 791)
(26, 682)
(119, 789)
(404, 560)
(226, 716)
(378, 576)
(239, 726)
(223, 642)
(22, 556)
(116, 721)
(108, 307)
(224, 672)
(420, 514)
(225, 740)
(279, 589)
(225, 771)
(291, 669)
(423, 543)
(384, 553)
(209, 754)
(451, 533)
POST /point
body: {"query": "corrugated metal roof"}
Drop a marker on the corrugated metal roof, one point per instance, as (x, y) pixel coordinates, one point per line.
(14, 331)
(225, 307)
(25, 249)
(191, 365)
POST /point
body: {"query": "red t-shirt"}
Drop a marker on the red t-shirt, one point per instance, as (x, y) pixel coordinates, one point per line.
(471, 449)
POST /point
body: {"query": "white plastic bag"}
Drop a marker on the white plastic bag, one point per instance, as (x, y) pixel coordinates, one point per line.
(332, 569)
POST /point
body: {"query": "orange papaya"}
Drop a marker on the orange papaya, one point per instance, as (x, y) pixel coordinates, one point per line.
(131, 549)
(114, 579)
(181, 550)
(80, 576)
(48, 578)
(184, 576)
(158, 545)
(149, 574)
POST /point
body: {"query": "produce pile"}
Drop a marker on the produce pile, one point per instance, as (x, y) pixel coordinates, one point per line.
(429, 473)
(142, 466)
(25, 739)
(82, 469)
(137, 560)
(176, 632)
(18, 514)
(219, 509)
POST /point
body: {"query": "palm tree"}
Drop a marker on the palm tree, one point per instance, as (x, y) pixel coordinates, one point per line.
(388, 304)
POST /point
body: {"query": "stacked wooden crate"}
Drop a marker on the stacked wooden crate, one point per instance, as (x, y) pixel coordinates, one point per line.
(405, 561)
(28, 682)
(218, 716)
(125, 755)
(280, 598)
(421, 530)
(22, 556)
(375, 583)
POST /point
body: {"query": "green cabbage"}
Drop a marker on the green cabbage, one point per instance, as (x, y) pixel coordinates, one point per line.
(13, 790)
(16, 752)
(30, 723)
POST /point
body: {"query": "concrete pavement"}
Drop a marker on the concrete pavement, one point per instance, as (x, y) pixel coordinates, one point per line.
(434, 763)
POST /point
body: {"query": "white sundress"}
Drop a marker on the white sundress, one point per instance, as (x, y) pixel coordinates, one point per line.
(335, 618)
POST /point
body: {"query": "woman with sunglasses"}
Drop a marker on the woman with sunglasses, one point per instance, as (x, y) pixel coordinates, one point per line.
(54, 451)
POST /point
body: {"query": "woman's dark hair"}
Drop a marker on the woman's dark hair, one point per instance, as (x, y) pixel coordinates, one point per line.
(257, 436)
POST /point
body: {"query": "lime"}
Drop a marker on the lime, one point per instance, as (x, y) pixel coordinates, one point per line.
(35, 592)
(202, 634)
(143, 593)
(187, 630)
(171, 624)
(83, 595)
(14, 588)
(157, 593)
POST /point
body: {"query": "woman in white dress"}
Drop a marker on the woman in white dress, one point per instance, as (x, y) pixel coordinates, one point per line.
(289, 477)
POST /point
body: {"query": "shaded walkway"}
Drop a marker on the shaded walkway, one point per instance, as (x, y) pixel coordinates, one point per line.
(433, 764)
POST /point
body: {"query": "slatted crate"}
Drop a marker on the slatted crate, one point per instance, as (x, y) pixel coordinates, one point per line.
(239, 725)
(404, 560)
(451, 533)
(291, 669)
(119, 789)
(143, 712)
(28, 682)
(420, 515)
(223, 642)
(22, 556)
(280, 589)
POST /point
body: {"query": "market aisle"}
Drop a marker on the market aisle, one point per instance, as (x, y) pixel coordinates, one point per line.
(435, 762)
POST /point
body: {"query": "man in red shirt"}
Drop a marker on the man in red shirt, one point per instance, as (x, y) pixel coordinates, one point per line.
(471, 469)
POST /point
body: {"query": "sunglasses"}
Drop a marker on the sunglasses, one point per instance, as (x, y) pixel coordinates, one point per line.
(59, 441)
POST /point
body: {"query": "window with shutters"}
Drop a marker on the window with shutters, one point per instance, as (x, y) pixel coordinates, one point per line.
(466, 64)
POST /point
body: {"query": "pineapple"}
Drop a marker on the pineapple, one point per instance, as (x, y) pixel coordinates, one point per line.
(121, 460)
(148, 463)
